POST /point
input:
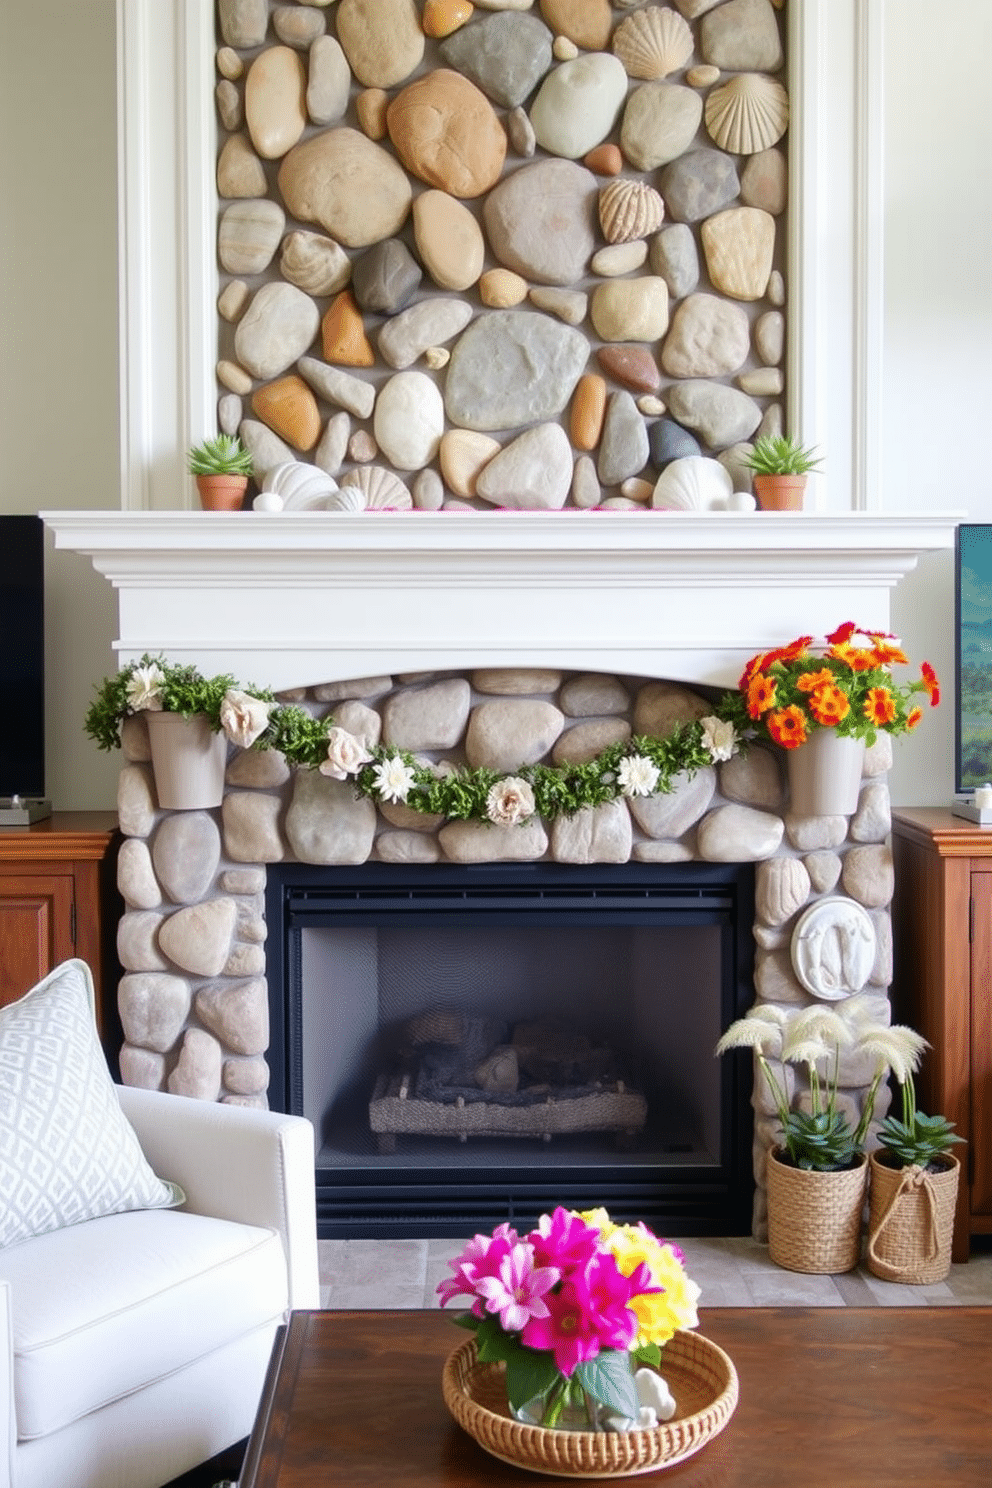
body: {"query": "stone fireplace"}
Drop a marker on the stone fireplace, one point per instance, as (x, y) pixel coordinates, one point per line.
(567, 630)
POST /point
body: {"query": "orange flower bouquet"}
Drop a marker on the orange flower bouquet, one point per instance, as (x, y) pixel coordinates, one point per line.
(847, 686)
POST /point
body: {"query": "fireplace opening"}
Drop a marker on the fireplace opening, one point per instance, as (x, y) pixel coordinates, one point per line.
(479, 1043)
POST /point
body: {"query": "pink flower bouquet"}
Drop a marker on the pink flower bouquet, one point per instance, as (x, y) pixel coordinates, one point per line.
(570, 1309)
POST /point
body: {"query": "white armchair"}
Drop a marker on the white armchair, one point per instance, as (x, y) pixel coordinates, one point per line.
(134, 1346)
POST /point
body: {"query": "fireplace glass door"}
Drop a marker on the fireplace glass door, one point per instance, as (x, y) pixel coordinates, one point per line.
(480, 1044)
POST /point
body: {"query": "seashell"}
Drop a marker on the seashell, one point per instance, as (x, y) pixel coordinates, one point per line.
(748, 113)
(694, 483)
(347, 499)
(629, 210)
(267, 501)
(314, 263)
(302, 486)
(384, 491)
(653, 42)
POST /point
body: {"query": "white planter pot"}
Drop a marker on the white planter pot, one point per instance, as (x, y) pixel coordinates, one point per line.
(825, 774)
(189, 761)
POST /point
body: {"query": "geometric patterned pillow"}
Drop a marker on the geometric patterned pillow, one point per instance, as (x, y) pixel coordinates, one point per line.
(67, 1151)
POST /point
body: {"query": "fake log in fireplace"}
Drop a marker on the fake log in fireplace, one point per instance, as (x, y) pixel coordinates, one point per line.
(480, 1043)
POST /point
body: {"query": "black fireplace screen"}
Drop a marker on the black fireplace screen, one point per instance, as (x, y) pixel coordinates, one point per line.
(476, 1044)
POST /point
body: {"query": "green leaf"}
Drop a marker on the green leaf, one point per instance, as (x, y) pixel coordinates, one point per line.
(529, 1374)
(648, 1353)
(492, 1343)
(608, 1379)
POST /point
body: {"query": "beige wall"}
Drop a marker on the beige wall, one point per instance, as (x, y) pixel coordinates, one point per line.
(58, 332)
(58, 340)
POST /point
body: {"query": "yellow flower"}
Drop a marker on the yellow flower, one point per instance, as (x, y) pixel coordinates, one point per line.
(659, 1314)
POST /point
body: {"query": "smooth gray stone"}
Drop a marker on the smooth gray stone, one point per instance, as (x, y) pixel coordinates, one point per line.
(721, 415)
(742, 36)
(668, 441)
(513, 368)
(673, 255)
(430, 322)
(186, 855)
(385, 277)
(541, 221)
(623, 445)
(699, 184)
(506, 55)
(238, 1013)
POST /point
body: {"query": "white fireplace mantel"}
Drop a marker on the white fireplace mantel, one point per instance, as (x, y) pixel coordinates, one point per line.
(291, 599)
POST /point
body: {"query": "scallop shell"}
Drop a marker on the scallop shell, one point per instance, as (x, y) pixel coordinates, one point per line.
(694, 483)
(303, 487)
(384, 491)
(347, 499)
(653, 42)
(748, 113)
(629, 210)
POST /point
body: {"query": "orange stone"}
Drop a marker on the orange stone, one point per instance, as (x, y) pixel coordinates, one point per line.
(605, 160)
(442, 17)
(588, 409)
(634, 366)
(290, 410)
(343, 331)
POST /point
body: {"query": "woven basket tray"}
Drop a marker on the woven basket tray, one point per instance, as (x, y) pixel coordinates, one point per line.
(699, 1374)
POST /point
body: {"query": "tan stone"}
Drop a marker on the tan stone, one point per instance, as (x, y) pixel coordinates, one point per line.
(738, 245)
(197, 1073)
(370, 106)
(382, 39)
(290, 410)
(443, 17)
(630, 309)
(462, 454)
(233, 299)
(588, 411)
(406, 847)
(596, 834)
(449, 240)
(343, 333)
(480, 842)
(239, 170)
(238, 1014)
(516, 681)
(275, 101)
(579, 745)
(198, 939)
(586, 22)
(251, 827)
(317, 183)
(153, 1007)
(447, 133)
(500, 289)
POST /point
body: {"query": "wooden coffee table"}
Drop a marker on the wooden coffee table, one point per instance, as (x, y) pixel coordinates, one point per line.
(839, 1397)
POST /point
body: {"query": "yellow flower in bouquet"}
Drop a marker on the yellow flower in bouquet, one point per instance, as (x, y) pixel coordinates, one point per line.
(659, 1313)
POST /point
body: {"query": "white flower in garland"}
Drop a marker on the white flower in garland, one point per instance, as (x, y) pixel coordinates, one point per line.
(393, 779)
(637, 776)
(510, 801)
(719, 738)
(345, 755)
(242, 717)
(144, 689)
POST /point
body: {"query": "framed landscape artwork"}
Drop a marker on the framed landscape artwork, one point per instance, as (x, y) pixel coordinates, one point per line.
(974, 655)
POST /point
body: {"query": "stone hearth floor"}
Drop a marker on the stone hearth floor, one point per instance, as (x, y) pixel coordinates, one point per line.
(734, 1272)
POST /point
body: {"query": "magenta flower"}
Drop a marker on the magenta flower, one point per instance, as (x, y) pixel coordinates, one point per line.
(518, 1291)
(569, 1332)
(563, 1240)
(480, 1259)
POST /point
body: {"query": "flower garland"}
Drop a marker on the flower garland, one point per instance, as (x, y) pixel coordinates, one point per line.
(784, 694)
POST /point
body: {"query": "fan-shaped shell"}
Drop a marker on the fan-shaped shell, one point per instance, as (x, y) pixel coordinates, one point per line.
(694, 483)
(347, 499)
(653, 42)
(748, 113)
(384, 491)
(629, 210)
(302, 486)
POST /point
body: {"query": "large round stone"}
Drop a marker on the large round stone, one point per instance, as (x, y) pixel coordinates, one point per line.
(317, 182)
(447, 133)
(513, 368)
(541, 221)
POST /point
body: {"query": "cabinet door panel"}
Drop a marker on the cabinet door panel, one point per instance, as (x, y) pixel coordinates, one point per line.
(981, 1045)
(35, 930)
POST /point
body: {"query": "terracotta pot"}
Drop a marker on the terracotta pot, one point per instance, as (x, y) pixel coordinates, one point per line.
(825, 774)
(780, 492)
(911, 1220)
(814, 1219)
(221, 492)
(188, 760)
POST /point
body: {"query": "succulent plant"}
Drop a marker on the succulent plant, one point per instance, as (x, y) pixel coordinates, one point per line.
(223, 455)
(777, 454)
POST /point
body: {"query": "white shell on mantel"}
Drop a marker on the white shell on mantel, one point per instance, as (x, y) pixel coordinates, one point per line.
(384, 491)
(347, 498)
(303, 487)
(653, 42)
(694, 483)
(748, 113)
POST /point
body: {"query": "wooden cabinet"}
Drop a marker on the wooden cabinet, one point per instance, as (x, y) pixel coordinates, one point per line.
(942, 927)
(58, 898)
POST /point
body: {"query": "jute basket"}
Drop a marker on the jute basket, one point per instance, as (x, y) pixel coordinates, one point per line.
(911, 1221)
(699, 1374)
(814, 1219)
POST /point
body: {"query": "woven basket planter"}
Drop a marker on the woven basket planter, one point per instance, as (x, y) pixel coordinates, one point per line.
(911, 1221)
(814, 1219)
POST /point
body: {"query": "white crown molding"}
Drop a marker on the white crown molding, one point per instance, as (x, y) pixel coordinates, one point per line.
(168, 275)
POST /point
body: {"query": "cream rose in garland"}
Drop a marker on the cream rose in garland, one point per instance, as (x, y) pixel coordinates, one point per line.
(510, 801)
(243, 718)
(345, 755)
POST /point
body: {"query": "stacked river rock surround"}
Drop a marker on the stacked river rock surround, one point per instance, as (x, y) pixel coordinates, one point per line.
(512, 254)
(194, 997)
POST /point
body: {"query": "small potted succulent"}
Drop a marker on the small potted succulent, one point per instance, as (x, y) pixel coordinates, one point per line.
(780, 464)
(221, 467)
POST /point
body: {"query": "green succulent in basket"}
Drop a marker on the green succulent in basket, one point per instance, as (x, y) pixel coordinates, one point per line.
(915, 1139)
(777, 454)
(223, 455)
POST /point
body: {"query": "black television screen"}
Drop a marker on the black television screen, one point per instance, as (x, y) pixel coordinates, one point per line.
(973, 586)
(22, 656)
